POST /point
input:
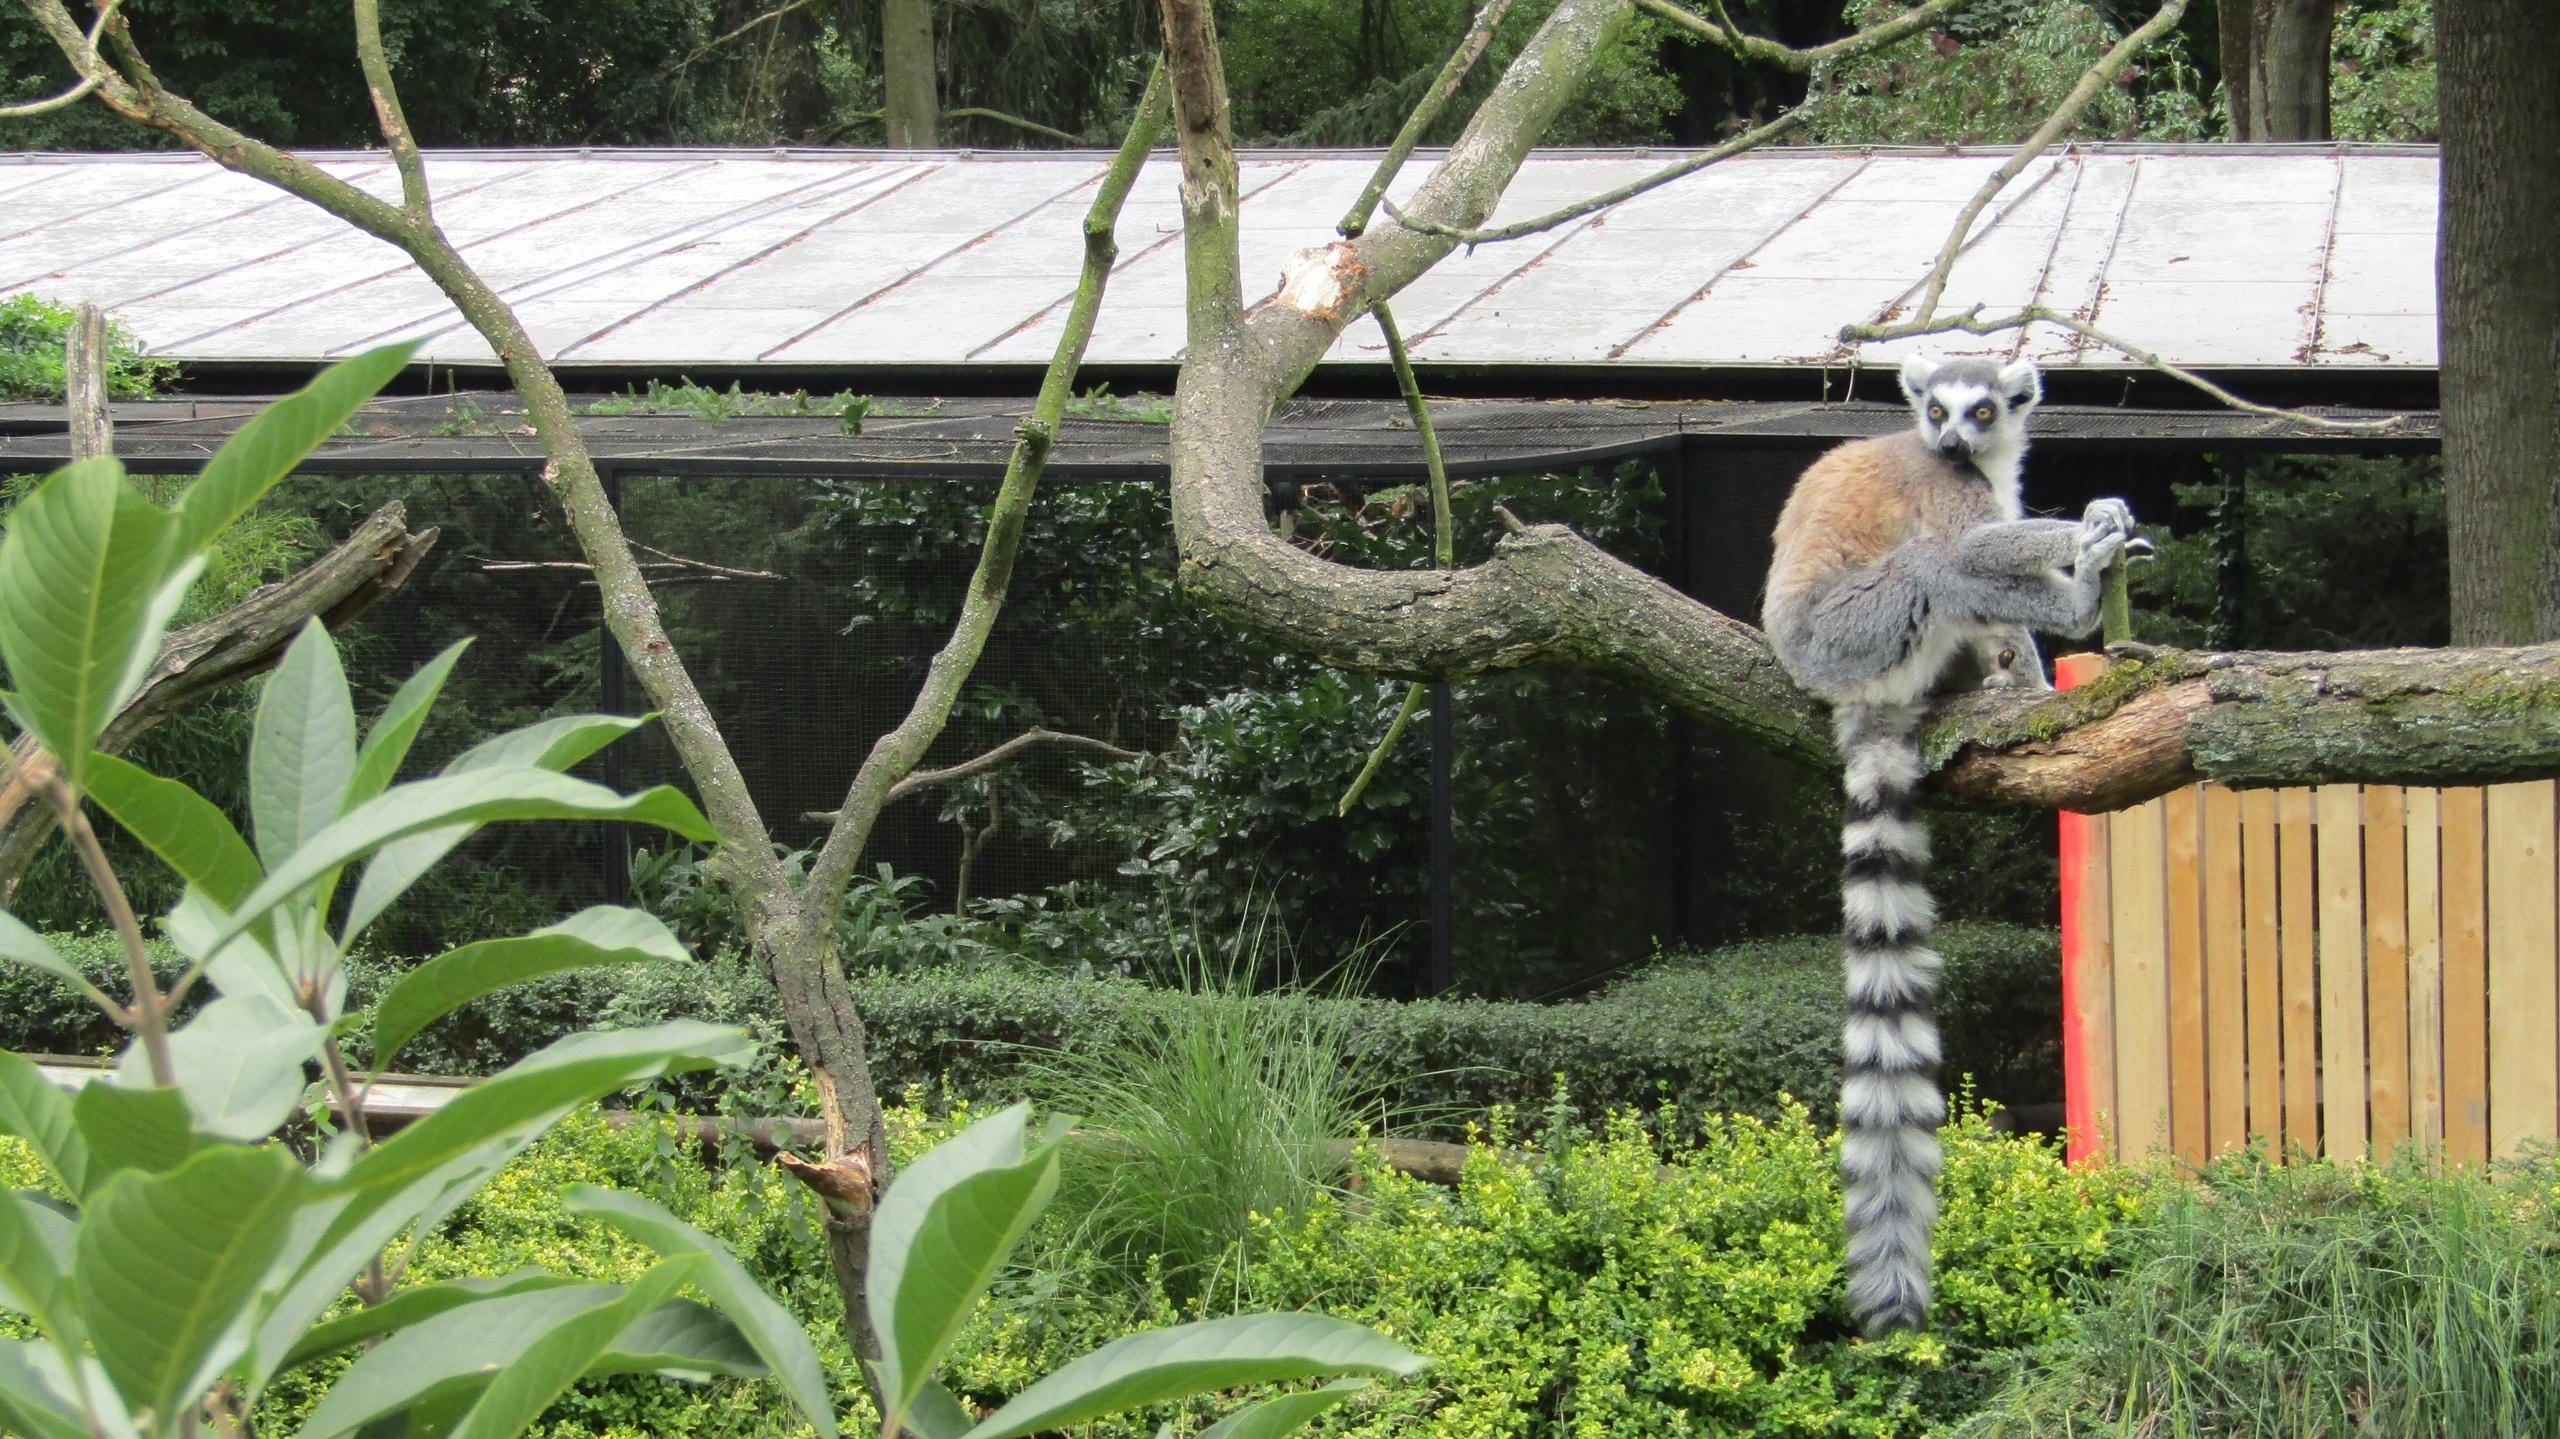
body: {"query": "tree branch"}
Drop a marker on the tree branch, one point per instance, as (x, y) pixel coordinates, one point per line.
(2097, 78)
(1770, 52)
(2156, 721)
(85, 62)
(895, 755)
(1452, 71)
(1748, 140)
(708, 46)
(1029, 739)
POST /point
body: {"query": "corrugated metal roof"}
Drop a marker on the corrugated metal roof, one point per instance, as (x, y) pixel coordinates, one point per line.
(2220, 257)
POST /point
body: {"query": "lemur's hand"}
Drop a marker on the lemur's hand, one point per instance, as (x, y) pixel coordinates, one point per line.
(2105, 528)
(2105, 516)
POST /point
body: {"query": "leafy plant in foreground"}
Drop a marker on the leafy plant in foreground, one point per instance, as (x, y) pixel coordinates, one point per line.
(946, 1228)
(184, 1258)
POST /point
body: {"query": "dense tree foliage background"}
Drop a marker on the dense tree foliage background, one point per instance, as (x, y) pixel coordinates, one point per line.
(1307, 72)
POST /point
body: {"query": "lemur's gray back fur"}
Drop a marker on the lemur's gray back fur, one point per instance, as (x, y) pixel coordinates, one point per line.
(1874, 616)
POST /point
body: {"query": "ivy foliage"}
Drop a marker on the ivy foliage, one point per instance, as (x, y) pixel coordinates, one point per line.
(32, 331)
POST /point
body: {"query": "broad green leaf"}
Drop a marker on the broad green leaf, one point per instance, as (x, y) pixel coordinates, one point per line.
(1283, 1413)
(189, 832)
(267, 448)
(34, 1265)
(603, 935)
(302, 751)
(435, 1163)
(1162, 1365)
(941, 1233)
(239, 1065)
(681, 1340)
(413, 1305)
(387, 743)
(554, 744)
(475, 798)
(554, 1361)
(25, 946)
(169, 1264)
(776, 1335)
(81, 576)
(145, 1129)
(335, 1237)
(30, 1403)
(459, 1349)
(538, 1089)
(35, 1109)
(937, 1414)
(245, 966)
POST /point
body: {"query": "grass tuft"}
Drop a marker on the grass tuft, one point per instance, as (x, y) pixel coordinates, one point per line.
(2316, 1299)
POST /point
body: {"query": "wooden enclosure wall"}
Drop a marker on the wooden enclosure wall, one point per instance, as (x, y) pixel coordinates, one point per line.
(2337, 970)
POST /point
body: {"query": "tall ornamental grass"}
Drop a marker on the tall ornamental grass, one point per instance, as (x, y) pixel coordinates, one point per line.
(2315, 1299)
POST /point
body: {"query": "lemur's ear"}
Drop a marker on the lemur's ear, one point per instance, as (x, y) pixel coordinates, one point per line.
(1918, 369)
(2020, 381)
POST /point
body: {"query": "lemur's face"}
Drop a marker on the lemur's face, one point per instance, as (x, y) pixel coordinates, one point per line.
(1965, 407)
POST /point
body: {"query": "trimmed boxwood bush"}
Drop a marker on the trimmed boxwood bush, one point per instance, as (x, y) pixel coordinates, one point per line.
(1732, 1031)
(1727, 1032)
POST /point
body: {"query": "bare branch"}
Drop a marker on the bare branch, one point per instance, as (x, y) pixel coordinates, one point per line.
(1972, 323)
(686, 570)
(1770, 52)
(2097, 78)
(85, 61)
(64, 100)
(895, 755)
(387, 114)
(1029, 739)
(972, 112)
(1452, 71)
(708, 46)
(1748, 140)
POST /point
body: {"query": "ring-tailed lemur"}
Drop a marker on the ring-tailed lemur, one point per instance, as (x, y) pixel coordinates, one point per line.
(1904, 569)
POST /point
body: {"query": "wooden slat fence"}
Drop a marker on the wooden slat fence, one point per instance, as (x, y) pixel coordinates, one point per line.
(2338, 970)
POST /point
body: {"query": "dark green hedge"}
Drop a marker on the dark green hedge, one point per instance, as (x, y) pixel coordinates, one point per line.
(1728, 1031)
(1731, 1030)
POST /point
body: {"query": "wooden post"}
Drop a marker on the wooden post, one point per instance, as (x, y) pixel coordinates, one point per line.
(2386, 965)
(2265, 966)
(2088, 967)
(2342, 1087)
(2181, 823)
(2524, 1090)
(2297, 895)
(2426, 969)
(84, 384)
(2226, 1015)
(2465, 904)
(2136, 863)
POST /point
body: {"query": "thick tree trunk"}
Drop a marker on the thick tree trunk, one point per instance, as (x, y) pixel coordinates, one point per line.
(2289, 54)
(2498, 309)
(910, 110)
(2238, 22)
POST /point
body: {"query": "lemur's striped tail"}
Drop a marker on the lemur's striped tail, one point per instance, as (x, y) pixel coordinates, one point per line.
(1890, 1107)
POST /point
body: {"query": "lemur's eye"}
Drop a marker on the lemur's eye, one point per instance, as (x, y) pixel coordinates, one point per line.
(1982, 412)
(2008, 658)
(1937, 412)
